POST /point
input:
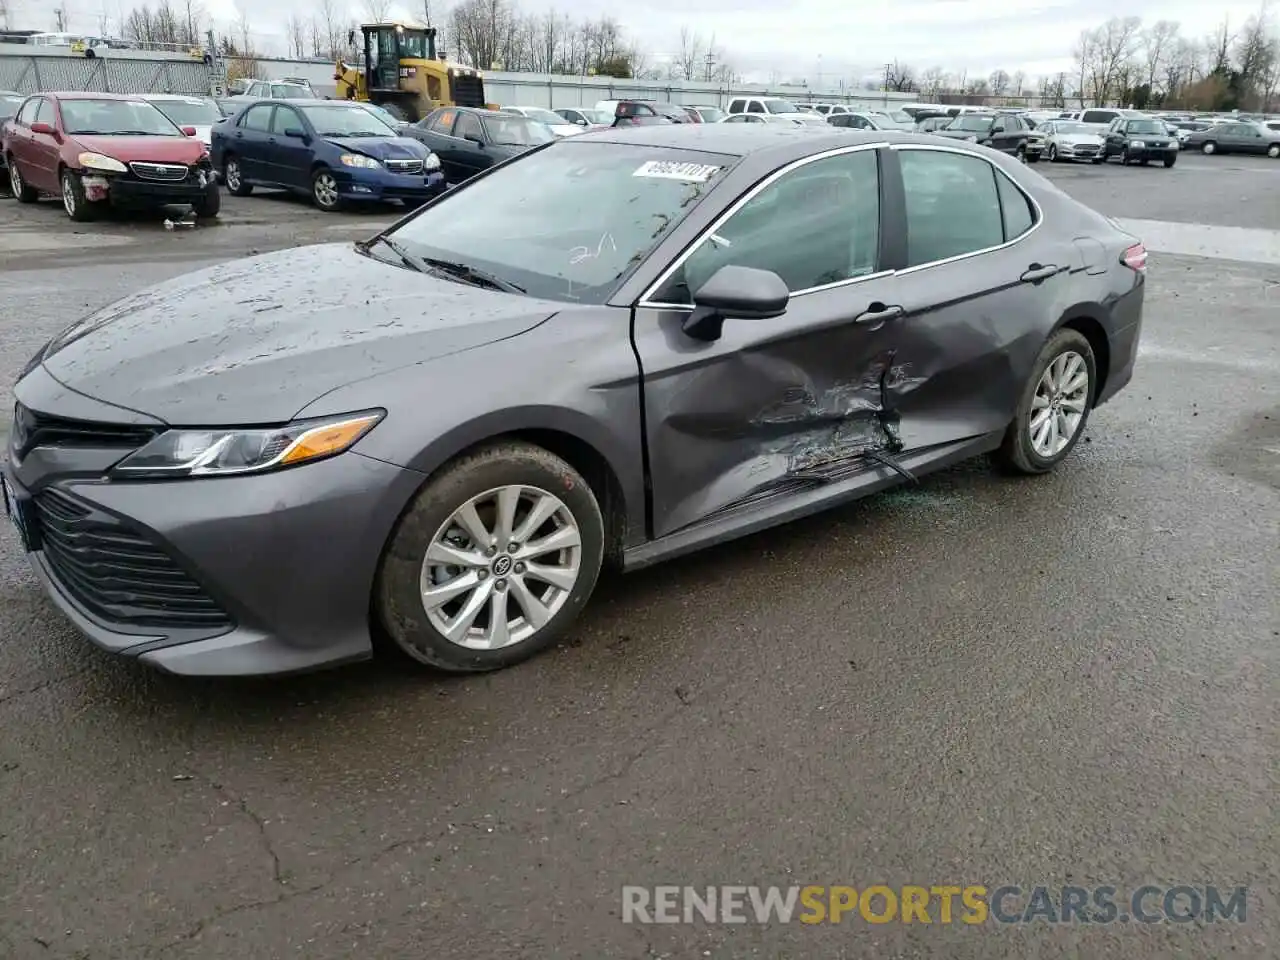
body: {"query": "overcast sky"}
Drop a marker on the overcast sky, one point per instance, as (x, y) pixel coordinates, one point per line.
(802, 38)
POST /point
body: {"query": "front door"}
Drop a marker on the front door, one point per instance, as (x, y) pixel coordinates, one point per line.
(43, 150)
(289, 158)
(773, 405)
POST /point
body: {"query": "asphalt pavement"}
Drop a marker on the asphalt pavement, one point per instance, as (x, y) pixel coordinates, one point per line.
(1071, 680)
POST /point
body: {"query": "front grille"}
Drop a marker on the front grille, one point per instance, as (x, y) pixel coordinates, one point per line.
(115, 573)
(168, 172)
(1086, 151)
(32, 429)
(468, 91)
(404, 166)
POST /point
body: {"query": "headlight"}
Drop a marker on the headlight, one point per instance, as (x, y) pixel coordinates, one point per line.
(1137, 144)
(431, 163)
(359, 160)
(204, 453)
(98, 161)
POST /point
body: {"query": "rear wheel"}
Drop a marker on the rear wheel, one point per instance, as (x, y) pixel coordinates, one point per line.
(492, 561)
(233, 176)
(1209, 147)
(1273, 151)
(21, 190)
(1054, 407)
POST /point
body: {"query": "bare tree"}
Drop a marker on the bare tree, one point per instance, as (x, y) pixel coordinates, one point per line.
(690, 56)
(297, 33)
(60, 18)
(1159, 43)
(899, 77)
(1219, 44)
(999, 82)
(1019, 83)
(1255, 55)
(243, 32)
(377, 10)
(329, 18)
(4, 15)
(933, 82)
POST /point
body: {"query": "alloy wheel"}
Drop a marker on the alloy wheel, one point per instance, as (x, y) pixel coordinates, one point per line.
(15, 180)
(68, 195)
(1059, 404)
(326, 190)
(232, 175)
(1273, 151)
(1053, 153)
(501, 567)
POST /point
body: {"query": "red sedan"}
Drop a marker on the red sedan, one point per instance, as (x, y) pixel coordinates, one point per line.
(99, 149)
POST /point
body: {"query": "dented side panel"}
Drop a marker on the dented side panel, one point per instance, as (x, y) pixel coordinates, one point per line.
(772, 406)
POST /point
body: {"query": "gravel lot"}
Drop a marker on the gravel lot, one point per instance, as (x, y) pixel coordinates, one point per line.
(1072, 680)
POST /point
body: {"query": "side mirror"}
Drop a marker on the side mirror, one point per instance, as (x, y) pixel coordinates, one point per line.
(188, 131)
(581, 122)
(296, 132)
(743, 293)
(472, 138)
(41, 127)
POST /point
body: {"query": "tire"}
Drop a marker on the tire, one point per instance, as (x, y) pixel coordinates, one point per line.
(1053, 153)
(430, 522)
(208, 207)
(1144, 161)
(1018, 452)
(1170, 161)
(1020, 153)
(1273, 151)
(18, 186)
(74, 201)
(324, 190)
(1209, 147)
(1099, 160)
(233, 177)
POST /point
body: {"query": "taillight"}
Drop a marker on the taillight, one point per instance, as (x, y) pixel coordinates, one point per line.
(1135, 258)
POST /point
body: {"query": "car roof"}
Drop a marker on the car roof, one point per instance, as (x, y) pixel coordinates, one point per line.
(88, 95)
(184, 98)
(776, 143)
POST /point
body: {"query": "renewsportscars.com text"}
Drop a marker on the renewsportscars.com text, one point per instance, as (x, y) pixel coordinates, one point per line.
(938, 903)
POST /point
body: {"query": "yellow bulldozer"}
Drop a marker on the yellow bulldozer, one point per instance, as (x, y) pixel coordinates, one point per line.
(400, 71)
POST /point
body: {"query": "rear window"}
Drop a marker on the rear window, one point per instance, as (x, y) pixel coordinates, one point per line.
(596, 212)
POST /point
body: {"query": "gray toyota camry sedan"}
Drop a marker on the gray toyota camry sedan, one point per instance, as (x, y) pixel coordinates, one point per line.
(611, 350)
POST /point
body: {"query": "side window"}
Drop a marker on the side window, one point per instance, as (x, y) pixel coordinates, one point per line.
(443, 121)
(738, 106)
(257, 118)
(952, 205)
(44, 113)
(27, 115)
(816, 225)
(284, 119)
(755, 106)
(1019, 216)
(998, 126)
(468, 126)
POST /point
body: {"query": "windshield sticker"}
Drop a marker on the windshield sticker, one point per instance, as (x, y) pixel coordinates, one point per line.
(670, 170)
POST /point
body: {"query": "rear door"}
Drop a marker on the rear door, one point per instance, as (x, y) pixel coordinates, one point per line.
(250, 142)
(976, 277)
(774, 405)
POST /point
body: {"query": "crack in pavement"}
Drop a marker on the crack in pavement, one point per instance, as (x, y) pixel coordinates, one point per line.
(45, 684)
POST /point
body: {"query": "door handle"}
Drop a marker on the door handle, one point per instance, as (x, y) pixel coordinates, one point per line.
(239, 134)
(1035, 273)
(877, 314)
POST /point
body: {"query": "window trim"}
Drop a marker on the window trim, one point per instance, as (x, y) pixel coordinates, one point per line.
(906, 271)
(653, 288)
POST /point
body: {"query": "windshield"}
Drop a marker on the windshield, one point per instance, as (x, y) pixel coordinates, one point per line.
(1147, 126)
(780, 106)
(9, 106)
(900, 116)
(596, 116)
(1069, 126)
(120, 118)
(198, 113)
(291, 91)
(973, 123)
(711, 114)
(386, 116)
(516, 131)
(543, 116)
(336, 121)
(568, 222)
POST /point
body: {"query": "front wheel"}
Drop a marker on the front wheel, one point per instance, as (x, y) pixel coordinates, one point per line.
(1054, 407)
(1170, 161)
(1273, 151)
(19, 187)
(1053, 153)
(492, 561)
(74, 201)
(208, 205)
(324, 191)
(1209, 147)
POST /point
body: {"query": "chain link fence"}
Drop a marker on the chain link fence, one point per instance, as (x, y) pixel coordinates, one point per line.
(35, 74)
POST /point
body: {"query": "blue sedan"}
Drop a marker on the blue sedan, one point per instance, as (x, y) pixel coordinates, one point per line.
(335, 152)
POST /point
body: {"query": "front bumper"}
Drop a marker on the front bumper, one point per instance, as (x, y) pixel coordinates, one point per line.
(384, 185)
(272, 573)
(1085, 152)
(1150, 153)
(130, 191)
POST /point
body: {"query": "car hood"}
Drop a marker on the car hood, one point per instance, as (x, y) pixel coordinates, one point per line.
(256, 340)
(153, 149)
(1078, 139)
(383, 148)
